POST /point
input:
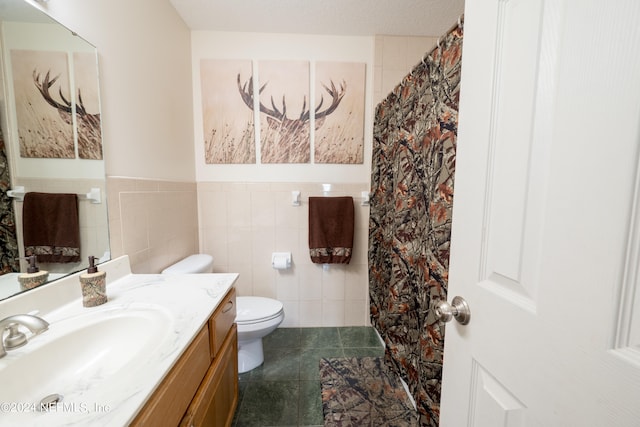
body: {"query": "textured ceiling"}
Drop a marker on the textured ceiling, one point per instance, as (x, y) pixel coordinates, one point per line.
(336, 17)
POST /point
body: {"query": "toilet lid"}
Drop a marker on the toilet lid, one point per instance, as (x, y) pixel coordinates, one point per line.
(198, 263)
(251, 309)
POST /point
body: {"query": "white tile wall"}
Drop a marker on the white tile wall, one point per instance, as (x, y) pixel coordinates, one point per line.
(154, 222)
(242, 224)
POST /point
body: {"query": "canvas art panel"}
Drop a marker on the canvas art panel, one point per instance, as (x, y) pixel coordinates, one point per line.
(228, 124)
(284, 112)
(42, 96)
(339, 114)
(87, 106)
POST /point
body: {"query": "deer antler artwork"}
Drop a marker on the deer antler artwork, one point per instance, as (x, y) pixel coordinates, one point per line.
(287, 140)
(88, 125)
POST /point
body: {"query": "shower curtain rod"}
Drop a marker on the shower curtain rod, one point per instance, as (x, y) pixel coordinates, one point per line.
(458, 24)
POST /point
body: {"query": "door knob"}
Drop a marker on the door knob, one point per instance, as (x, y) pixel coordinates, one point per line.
(458, 309)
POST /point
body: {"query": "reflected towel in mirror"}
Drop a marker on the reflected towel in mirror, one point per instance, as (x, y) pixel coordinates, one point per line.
(51, 227)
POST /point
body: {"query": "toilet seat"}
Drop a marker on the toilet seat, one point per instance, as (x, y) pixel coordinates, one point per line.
(252, 310)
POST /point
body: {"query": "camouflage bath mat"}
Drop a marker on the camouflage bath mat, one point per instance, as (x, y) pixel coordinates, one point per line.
(358, 391)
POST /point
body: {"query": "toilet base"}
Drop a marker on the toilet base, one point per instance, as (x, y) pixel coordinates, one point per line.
(250, 355)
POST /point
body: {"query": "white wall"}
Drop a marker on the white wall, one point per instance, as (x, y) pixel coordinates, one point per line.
(261, 46)
(395, 58)
(145, 83)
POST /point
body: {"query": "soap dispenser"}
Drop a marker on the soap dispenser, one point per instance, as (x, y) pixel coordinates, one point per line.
(34, 276)
(94, 285)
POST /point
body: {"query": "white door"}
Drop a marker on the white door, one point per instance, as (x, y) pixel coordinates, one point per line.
(546, 217)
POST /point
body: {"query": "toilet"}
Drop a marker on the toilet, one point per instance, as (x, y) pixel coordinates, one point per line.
(256, 317)
(193, 264)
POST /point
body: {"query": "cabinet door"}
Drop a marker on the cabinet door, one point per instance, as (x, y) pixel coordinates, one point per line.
(170, 400)
(216, 401)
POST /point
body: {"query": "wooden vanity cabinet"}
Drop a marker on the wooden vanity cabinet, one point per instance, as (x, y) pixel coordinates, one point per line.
(216, 399)
(202, 387)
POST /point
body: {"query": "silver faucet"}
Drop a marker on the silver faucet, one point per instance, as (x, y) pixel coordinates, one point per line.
(16, 338)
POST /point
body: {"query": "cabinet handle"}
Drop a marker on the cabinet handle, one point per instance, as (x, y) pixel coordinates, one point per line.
(226, 309)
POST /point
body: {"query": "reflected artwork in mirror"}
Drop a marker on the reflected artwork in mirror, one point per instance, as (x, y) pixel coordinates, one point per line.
(51, 140)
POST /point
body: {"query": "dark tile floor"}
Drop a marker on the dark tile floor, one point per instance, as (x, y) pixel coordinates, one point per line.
(286, 390)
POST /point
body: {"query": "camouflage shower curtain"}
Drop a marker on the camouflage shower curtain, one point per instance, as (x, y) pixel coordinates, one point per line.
(8, 235)
(412, 178)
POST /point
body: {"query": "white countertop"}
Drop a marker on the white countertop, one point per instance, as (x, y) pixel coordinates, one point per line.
(189, 300)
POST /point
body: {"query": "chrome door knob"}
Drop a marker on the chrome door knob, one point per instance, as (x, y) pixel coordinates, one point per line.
(458, 309)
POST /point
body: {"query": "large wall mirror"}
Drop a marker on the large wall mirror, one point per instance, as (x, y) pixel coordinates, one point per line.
(50, 143)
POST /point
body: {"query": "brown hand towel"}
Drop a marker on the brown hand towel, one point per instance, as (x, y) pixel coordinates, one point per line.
(330, 229)
(51, 227)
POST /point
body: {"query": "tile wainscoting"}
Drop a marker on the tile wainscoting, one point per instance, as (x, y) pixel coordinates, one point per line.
(241, 224)
(157, 223)
(154, 222)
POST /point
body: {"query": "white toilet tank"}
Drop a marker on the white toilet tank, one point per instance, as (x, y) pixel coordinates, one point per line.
(193, 264)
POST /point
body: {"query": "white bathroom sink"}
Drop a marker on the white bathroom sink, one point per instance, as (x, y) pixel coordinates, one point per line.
(101, 347)
(102, 363)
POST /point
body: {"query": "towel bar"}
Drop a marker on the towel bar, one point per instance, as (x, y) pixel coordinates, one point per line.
(94, 195)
